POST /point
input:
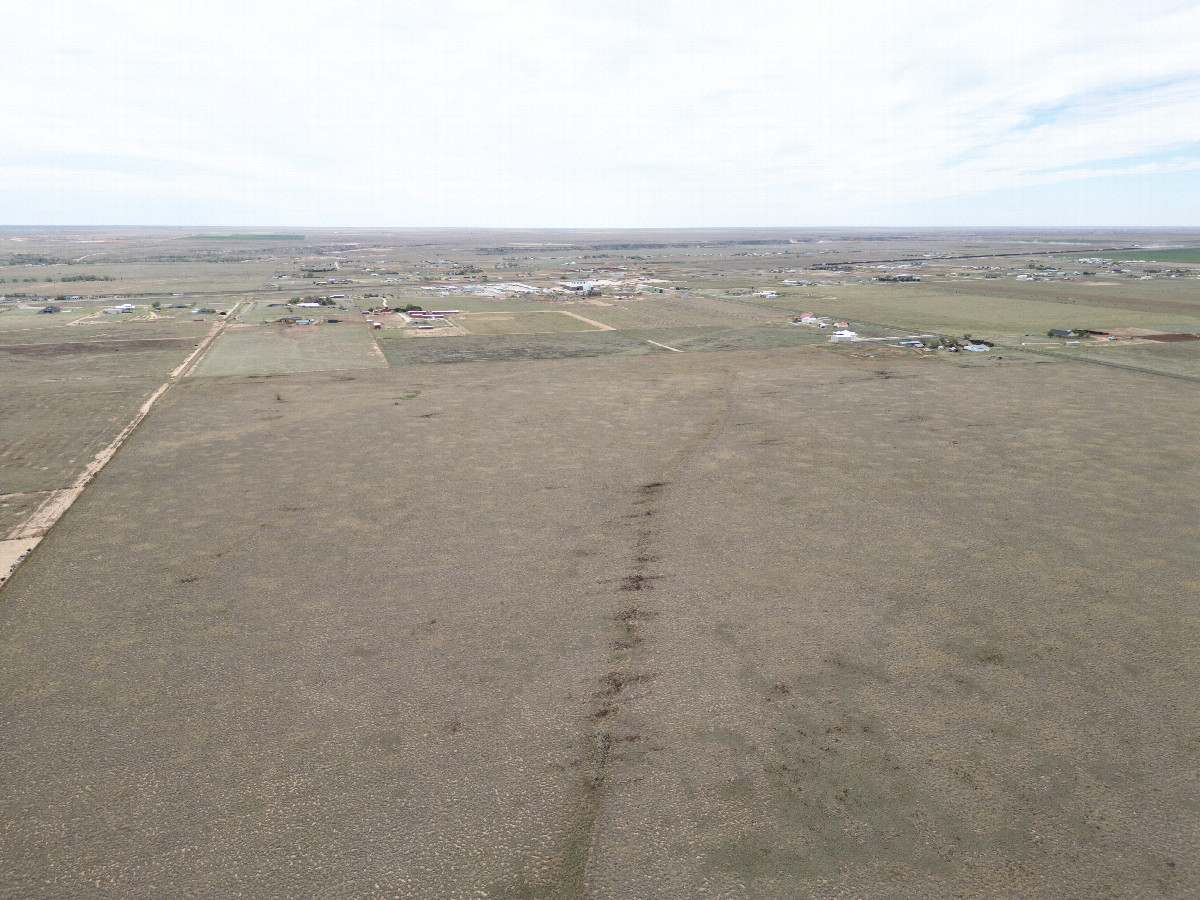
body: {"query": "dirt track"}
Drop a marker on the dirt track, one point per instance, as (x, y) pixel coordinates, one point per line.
(22, 539)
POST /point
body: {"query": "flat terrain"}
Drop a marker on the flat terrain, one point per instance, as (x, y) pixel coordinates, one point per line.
(774, 624)
(268, 349)
(569, 614)
(533, 322)
(67, 393)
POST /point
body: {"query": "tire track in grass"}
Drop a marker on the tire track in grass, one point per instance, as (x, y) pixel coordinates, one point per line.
(625, 669)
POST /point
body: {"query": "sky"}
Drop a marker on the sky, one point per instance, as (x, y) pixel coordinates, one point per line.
(617, 114)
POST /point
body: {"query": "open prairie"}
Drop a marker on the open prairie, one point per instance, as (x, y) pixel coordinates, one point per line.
(700, 605)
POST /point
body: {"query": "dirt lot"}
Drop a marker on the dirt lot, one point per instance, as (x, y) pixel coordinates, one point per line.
(764, 623)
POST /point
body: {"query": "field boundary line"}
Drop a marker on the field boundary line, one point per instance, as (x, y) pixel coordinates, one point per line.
(664, 346)
(378, 350)
(186, 367)
(30, 532)
(1062, 357)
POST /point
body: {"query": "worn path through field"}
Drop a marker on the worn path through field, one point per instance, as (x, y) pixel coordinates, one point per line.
(629, 674)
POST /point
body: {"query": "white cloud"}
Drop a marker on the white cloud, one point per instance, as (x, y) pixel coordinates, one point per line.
(548, 113)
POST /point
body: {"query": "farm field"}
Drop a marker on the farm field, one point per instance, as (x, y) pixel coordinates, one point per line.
(269, 311)
(953, 309)
(768, 623)
(533, 322)
(275, 349)
(1178, 359)
(156, 278)
(67, 393)
(49, 438)
(681, 601)
(1181, 255)
(625, 342)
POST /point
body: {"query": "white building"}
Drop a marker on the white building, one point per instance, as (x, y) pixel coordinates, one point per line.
(840, 337)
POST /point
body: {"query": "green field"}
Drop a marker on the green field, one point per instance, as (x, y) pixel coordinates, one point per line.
(1174, 255)
(265, 311)
(268, 349)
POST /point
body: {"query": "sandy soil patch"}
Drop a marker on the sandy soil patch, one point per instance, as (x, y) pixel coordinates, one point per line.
(12, 552)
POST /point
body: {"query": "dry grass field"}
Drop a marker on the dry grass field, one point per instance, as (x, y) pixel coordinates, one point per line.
(773, 623)
(563, 615)
(275, 349)
(67, 393)
(1178, 359)
(551, 321)
(980, 308)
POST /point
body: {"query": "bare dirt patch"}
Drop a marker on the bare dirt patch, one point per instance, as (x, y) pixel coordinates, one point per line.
(1170, 338)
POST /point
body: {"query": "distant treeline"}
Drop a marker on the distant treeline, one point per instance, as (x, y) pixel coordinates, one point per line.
(30, 259)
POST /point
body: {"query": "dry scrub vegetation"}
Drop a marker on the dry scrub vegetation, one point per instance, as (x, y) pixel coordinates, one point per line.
(592, 618)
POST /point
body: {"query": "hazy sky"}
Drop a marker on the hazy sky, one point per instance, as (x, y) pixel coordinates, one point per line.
(648, 113)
